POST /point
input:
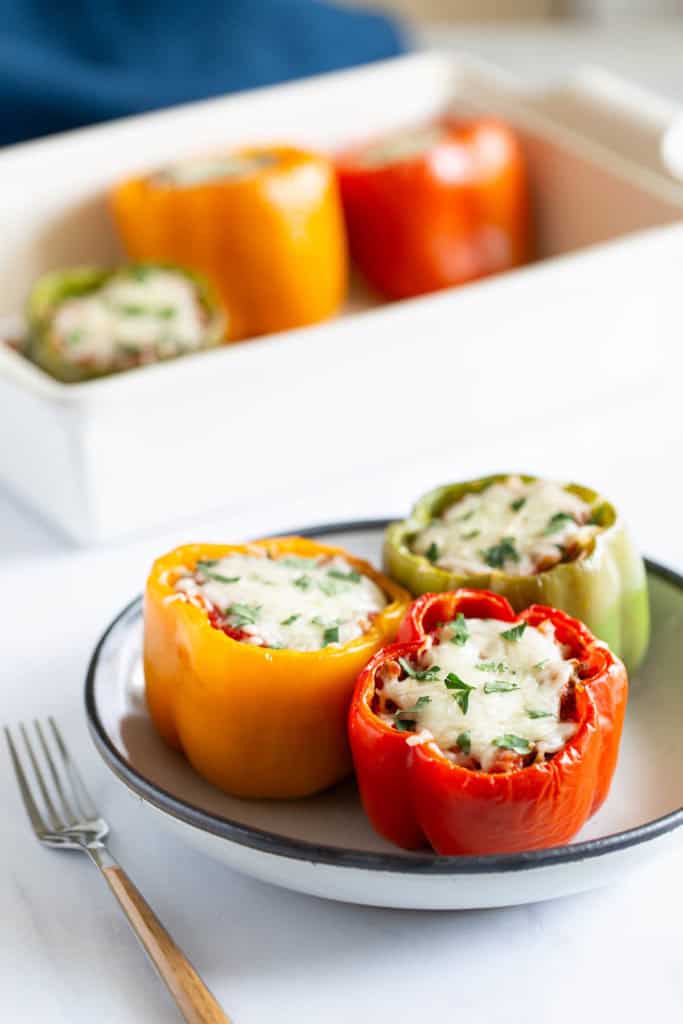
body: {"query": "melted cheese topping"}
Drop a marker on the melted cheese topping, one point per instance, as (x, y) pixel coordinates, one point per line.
(138, 315)
(301, 604)
(517, 527)
(485, 693)
(213, 168)
(401, 146)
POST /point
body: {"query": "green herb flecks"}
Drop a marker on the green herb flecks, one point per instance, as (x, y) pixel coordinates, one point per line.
(330, 635)
(460, 634)
(467, 516)
(464, 742)
(132, 309)
(303, 582)
(514, 633)
(532, 713)
(243, 614)
(423, 675)
(471, 535)
(462, 691)
(409, 724)
(518, 504)
(292, 618)
(432, 553)
(494, 666)
(166, 312)
(75, 337)
(346, 577)
(139, 273)
(500, 686)
(541, 664)
(557, 522)
(296, 562)
(497, 555)
(511, 742)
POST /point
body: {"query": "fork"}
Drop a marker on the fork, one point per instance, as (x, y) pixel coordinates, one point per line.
(75, 824)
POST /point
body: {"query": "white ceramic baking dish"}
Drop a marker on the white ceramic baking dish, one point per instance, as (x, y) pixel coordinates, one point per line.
(104, 458)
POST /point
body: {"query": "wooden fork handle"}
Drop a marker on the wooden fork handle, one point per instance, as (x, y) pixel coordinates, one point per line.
(195, 1001)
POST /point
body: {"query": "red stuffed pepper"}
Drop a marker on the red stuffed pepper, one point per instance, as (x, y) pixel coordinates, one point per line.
(436, 207)
(481, 731)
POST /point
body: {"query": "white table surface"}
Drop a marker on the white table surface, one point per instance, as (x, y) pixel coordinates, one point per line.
(66, 954)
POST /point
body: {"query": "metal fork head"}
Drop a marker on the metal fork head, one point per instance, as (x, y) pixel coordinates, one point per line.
(59, 807)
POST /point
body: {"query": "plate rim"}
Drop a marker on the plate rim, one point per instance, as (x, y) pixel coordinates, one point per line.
(280, 845)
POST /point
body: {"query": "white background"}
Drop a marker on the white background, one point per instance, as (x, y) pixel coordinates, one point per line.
(65, 952)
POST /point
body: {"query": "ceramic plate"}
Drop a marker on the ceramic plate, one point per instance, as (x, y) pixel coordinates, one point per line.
(324, 845)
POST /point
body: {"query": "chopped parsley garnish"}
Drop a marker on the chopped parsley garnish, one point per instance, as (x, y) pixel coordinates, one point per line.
(243, 614)
(541, 664)
(331, 635)
(558, 522)
(329, 587)
(139, 273)
(205, 567)
(404, 724)
(166, 312)
(511, 742)
(500, 686)
(408, 725)
(471, 535)
(468, 515)
(514, 633)
(497, 555)
(291, 619)
(464, 742)
(432, 553)
(461, 633)
(517, 504)
(295, 562)
(539, 714)
(494, 666)
(347, 577)
(303, 582)
(75, 336)
(462, 691)
(133, 309)
(423, 675)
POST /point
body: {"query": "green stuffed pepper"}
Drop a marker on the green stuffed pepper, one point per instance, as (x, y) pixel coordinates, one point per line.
(534, 541)
(88, 322)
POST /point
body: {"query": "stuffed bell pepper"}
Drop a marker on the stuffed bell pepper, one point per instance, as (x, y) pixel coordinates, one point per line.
(251, 653)
(86, 322)
(436, 206)
(482, 731)
(264, 225)
(532, 541)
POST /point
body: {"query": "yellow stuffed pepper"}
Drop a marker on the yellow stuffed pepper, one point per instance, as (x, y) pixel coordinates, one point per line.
(263, 224)
(251, 652)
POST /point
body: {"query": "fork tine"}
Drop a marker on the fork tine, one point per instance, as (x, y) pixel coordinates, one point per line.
(69, 814)
(82, 798)
(34, 814)
(53, 819)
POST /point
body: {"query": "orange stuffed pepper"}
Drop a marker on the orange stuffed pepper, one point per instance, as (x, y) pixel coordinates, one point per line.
(263, 224)
(251, 652)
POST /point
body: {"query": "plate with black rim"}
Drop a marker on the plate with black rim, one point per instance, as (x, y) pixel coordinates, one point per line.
(325, 846)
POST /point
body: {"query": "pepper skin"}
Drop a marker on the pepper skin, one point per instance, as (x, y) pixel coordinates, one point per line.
(54, 288)
(272, 240)
(415, 796)
(606, 588)
(456, 210)
(256, 722)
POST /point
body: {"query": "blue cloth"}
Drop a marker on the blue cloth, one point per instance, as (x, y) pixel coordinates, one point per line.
(66, 63)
